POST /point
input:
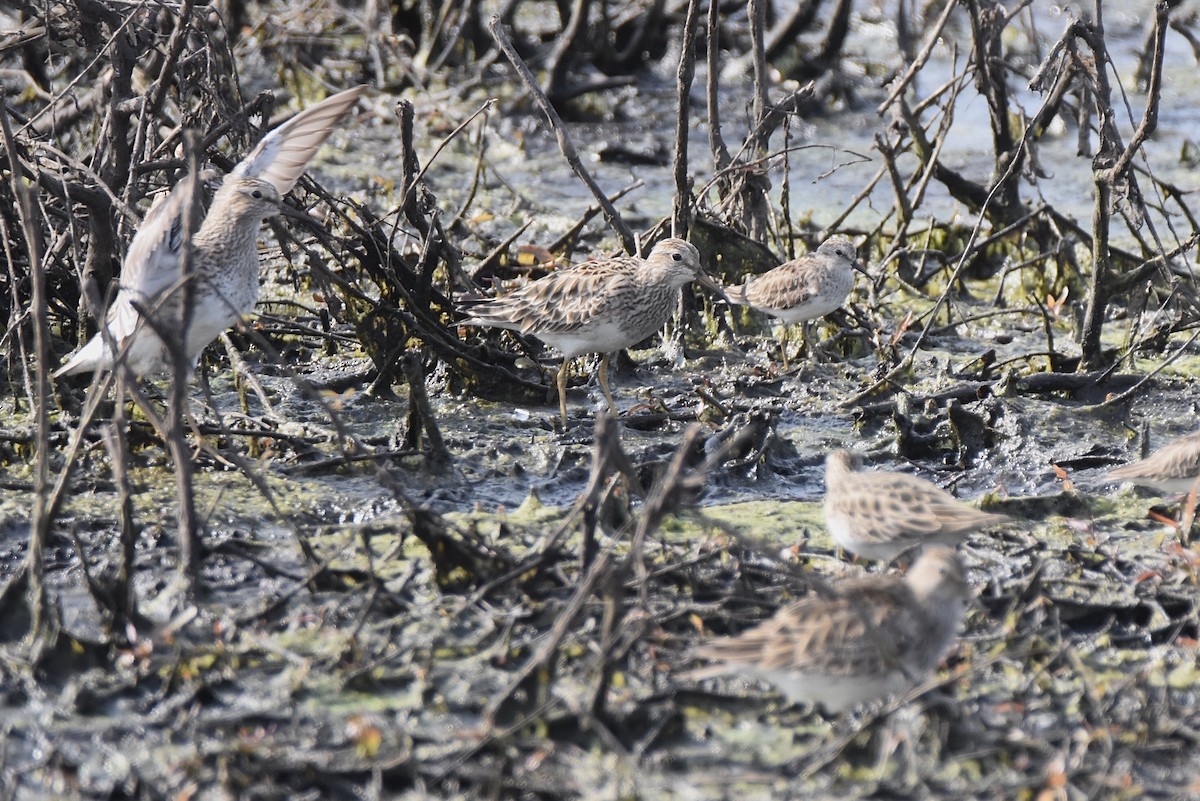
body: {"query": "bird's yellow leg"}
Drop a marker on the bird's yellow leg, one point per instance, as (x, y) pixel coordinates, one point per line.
(562, 392)
(612, 405)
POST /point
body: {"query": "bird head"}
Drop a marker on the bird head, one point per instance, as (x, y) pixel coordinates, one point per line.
(681, 261)
(842, 248)
(249, 197)
(843, 461)
(938, 574)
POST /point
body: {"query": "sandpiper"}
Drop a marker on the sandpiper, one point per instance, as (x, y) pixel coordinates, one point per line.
(803, 289)
(880, 515)
(224, 256)
(1173, 469)
(597, 306)
(873, 636)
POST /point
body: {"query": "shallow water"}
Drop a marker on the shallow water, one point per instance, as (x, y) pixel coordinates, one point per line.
(1081, 646)
(836, 158)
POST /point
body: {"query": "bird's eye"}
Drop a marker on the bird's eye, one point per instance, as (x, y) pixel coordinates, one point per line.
(256, 194)
(677, 256)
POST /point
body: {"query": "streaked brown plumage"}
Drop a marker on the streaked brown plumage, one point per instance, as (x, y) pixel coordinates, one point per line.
(876, 635)
(879, 514)
(596, 307)
(803, 289)
(224, 255)
(1172, 469)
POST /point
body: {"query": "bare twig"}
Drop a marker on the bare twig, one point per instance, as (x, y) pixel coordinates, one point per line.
(628, 240)
(420, 413)
(176, 431)
(933, 36)
(716, 144)
(42, 513)
(1110, 169)
(683, 88)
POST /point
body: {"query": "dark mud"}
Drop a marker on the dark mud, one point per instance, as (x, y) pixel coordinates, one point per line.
(1077, 666)
(374, 622)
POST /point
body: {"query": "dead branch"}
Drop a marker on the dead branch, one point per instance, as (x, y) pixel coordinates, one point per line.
(564, 142)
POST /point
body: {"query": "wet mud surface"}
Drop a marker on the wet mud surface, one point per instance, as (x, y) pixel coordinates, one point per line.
(377, 620)
(1078, 658)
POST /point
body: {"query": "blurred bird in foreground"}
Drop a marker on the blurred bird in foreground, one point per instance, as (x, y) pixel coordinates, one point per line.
(873, 636)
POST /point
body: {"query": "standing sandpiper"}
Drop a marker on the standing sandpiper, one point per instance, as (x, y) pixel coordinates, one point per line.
(874, 636)
(224, 256)
(880, 515)
(803, 289)
(597, 306)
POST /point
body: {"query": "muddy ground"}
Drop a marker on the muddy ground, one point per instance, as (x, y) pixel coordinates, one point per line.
(389, 611)
(383, 674)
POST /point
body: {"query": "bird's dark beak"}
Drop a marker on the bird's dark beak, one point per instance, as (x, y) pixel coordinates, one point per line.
(711, 284)
(862, 268)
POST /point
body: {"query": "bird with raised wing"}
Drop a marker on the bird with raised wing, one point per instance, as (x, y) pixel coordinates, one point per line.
(224, 258)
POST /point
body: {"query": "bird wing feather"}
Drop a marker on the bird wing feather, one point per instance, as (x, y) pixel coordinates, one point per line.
(901, 508)
(792, 284)
(283, 154)
(1177, 459)
(563, 301)
(152, 264)
(861, 630)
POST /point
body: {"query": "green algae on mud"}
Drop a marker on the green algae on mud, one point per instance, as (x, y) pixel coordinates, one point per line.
(1075, 674)
(771, 521)
(427, 665)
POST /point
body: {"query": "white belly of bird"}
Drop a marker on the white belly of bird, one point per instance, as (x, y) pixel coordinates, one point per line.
(602, 337)
(849, 540)
(811, 311)
(834, 693)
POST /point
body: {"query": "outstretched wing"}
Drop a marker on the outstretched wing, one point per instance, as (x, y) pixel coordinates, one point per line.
(152, 264)
(283, 154)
